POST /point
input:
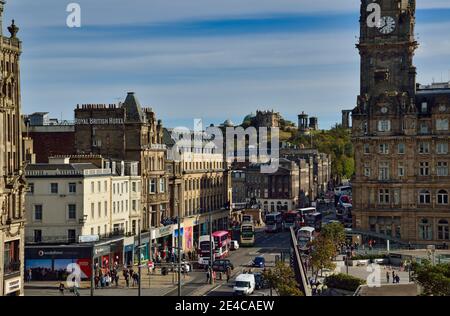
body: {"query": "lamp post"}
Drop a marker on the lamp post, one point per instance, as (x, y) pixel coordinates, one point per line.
(139, 258)
(211, 250)
(179, 252)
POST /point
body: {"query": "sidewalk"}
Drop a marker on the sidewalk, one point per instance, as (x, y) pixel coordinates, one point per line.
(155, 280)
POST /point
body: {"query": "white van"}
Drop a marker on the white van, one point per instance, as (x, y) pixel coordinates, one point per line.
(244, 284)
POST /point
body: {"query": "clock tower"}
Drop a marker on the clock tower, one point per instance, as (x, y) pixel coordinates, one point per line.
(387, 49)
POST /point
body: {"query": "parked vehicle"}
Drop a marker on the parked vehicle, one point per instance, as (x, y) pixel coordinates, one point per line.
(222, 265)
(244, 284)
(259, 262)
(234, 245)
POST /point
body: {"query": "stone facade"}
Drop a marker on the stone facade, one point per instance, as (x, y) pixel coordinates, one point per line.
(12, 182)
(199, 185)
(401, 136)
(131, 133)
(69, 199)
(274, 191)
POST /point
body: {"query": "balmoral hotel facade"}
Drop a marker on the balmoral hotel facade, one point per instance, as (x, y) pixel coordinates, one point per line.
(401, 135)
(12, 184)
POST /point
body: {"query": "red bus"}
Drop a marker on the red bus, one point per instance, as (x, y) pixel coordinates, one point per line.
(222, 243)
(291, 219)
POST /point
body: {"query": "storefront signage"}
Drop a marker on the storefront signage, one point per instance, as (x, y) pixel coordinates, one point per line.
(88, 238)
(12, 285)
(102, 250)
(165, 231)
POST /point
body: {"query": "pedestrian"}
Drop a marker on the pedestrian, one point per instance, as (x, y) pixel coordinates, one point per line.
(397, 279)
(29, 275)
(387, 276)
(61, 288)
(207, 276)
(228, 275)
(393, 276)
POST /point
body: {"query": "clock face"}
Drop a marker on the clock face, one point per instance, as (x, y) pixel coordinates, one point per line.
(387, 25)
(384, 110)
(442, 108)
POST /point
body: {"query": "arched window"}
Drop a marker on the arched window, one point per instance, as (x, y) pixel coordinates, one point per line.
(442, 197)
(425, 229)
(443, 232)
(424, 197)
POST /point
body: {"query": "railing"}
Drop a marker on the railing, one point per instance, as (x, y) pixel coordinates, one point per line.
(297, 265)
(12, 267)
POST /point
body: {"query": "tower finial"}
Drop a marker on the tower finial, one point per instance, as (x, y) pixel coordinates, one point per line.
(13, 29)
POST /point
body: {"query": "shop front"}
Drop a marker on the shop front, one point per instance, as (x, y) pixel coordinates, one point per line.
(128, 250)
(144, 250)
(163, 243)
(49, 263)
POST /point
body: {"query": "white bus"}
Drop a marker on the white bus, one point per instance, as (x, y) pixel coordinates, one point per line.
(204, 253)
(305, 235)
(274, 222)
(247, 234)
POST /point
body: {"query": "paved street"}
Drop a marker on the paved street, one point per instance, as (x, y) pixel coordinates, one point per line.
(267, 245)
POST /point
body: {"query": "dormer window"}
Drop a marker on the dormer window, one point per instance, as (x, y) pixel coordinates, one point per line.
(384, 126)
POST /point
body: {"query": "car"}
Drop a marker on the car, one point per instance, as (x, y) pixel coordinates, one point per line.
(222, 265)
(244, 284)
(259, 262)
(234, 245)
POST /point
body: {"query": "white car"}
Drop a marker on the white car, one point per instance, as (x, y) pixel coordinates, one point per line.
(234, 245)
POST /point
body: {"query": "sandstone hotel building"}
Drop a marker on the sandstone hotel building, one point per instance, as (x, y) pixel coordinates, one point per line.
(401, 135)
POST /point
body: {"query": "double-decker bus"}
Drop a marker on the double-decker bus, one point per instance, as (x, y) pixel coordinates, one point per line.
(274, 222)
(247, 234)
(305, 236)
(314, 220)
(221, 245)
(222, 242)
(291, 219)
(204, 250)
(303, 212)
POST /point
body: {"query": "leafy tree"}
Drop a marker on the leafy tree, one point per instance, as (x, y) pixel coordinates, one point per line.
(323, 251)
(282, 279)
(435, 280)
(335, 232)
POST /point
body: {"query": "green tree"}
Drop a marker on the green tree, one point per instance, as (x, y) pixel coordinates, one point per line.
(323, 251)
(282, 279)
(435, 280)
(335, 232)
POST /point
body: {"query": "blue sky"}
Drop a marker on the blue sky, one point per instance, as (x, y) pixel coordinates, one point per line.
(209, 59)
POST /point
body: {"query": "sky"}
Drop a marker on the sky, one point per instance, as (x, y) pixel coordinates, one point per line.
(208, 59)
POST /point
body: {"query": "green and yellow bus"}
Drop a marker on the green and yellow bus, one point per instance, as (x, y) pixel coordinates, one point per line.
(247, 234)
